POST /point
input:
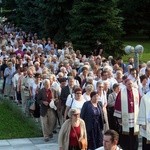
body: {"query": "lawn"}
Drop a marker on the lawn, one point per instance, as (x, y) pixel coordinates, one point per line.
(142, 57)
(13, 124)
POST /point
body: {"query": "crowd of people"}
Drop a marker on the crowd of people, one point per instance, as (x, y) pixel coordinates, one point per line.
(85, 95)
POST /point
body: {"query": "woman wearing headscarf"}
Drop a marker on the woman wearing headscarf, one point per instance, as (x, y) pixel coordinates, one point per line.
(72, 130)
(92, 114)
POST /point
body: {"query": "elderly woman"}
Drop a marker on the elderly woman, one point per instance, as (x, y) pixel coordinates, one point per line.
(47, 114)
(92, 114)
(75, 100)
(88, 89)
(72, 130)
(103, 99)
(110, 107)
(89, 80)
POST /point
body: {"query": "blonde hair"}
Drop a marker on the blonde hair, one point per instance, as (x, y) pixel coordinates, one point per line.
(89, 87)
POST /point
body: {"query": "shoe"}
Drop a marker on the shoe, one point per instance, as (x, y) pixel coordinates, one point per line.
(54, 131)
(46, 139)
(11, 98)
(51, 136)
(36, 120)
(59, 127)
(16, 101)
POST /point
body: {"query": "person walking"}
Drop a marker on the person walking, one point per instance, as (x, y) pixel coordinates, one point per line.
(110, 107)
(126, 111)
(75, 100)
(72, 131)
(144, 121)
(47, 114)
(93, 116)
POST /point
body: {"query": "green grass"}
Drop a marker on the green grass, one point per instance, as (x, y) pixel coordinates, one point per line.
(142, 57)
(13, 124)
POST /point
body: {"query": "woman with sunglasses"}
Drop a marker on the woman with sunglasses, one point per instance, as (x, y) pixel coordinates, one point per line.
(75, 100)
(72, 130)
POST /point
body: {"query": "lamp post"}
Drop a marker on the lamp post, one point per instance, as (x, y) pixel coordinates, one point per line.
(136, 50)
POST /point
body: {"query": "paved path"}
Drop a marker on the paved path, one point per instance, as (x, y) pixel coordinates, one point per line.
(31, 144)
(28, 144)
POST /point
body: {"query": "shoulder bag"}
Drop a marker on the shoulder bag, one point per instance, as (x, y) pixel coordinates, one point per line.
(82, 142)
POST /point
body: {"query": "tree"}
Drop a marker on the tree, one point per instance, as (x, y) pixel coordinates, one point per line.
(8, 9)
(136, 17)
(49, 18)
(54, 18)
(96, 20)
(27, 12)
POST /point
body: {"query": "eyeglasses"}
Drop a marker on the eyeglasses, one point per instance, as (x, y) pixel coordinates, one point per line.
(100, 86)
(75, 114)
(78, 93)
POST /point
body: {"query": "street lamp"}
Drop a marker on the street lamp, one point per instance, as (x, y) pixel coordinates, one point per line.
(136, 50)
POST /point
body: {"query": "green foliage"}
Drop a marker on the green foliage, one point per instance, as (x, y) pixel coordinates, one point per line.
(48, 18)
(9, 9)
(54, 18)
(136, 17)
(96, 20)
(14, 124)
(28, 12)
(83, 22)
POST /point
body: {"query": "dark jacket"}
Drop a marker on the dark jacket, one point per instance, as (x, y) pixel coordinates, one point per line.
(94, 121)
(87, 115)
(64, 94)
(42, 96)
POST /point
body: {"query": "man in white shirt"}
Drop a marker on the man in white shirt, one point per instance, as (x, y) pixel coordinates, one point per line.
(110, 141)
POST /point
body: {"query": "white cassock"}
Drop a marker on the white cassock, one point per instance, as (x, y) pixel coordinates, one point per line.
(144, 116)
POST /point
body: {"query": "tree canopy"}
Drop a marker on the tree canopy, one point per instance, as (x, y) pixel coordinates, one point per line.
(93, 21)
(83, 22)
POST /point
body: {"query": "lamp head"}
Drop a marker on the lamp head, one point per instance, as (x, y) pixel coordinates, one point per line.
(139, 49)
(129, 49)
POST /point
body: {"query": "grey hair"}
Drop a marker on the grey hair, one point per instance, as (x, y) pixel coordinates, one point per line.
(73, 111)
(99, 82)
(90, 87)
(46, 81)
(70, 78)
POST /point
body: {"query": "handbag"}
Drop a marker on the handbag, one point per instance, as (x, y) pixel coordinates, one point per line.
(32, 106)
(82, 142)
(26, 93)
(52, 104)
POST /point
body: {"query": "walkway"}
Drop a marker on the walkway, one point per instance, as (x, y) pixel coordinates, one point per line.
(28, 144)
(31, 144)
